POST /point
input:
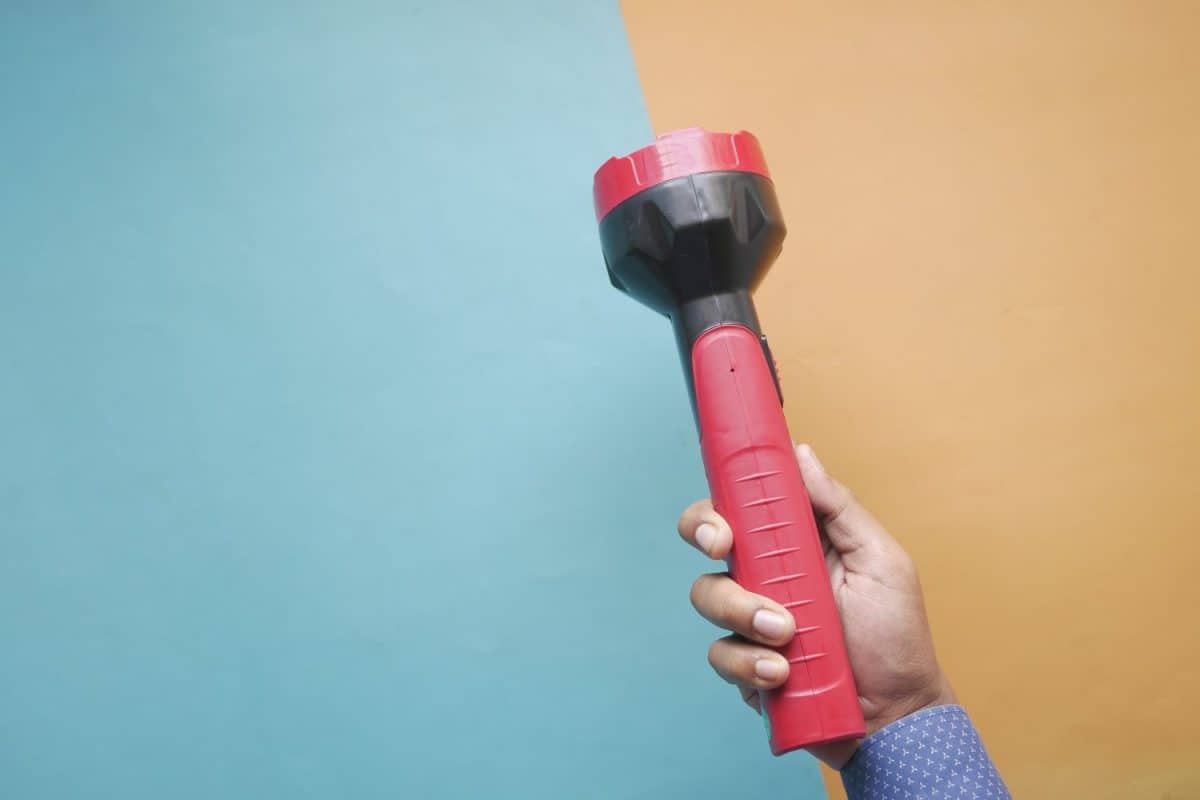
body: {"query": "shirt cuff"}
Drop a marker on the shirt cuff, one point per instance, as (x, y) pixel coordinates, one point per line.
(934, 753)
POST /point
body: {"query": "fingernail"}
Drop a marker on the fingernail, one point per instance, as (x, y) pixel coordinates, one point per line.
(769, 624)
(706, 534)
(769, 669)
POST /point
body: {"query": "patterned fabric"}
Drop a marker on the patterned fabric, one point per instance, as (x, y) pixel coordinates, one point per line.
(934, 754)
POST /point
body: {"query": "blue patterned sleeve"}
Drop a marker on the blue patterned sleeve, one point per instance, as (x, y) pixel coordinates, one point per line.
(935, 753)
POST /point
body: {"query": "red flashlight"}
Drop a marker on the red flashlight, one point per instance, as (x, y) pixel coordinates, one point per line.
(689, 226)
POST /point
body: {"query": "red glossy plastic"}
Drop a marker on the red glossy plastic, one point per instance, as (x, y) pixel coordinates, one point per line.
(674, 155)
(756, 485)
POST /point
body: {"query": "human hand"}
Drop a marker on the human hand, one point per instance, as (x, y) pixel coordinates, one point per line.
(878, 597)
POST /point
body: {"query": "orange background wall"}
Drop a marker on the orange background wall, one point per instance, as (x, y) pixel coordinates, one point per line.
(986, 318)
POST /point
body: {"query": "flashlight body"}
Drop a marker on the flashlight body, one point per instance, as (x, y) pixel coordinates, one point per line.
(756, 486)
(689, 227)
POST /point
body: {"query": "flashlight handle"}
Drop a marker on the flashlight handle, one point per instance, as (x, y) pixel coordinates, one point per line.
(756, 486)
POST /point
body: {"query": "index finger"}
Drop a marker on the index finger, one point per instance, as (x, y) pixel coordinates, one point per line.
(706, 530)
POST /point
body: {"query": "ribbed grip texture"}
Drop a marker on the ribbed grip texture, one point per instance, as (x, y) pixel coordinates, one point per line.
(756, 485)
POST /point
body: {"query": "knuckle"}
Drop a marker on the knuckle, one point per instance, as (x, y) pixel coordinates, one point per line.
(726, 611)
(846, 497)
(695, 594)
(714, 654)
(719, 600)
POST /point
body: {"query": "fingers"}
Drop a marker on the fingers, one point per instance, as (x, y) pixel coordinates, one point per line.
(848, 525)
(706, 530)
(747, 665)
(741, 658)
(725, 604)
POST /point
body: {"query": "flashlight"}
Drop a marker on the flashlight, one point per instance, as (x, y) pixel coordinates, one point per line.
(689, 226)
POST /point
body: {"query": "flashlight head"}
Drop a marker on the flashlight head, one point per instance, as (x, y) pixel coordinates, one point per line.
(690, 216)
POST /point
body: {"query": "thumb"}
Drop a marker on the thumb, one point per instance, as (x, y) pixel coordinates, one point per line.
(849, 526)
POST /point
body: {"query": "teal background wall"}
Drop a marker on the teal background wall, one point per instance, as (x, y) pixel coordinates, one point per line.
(330, 465)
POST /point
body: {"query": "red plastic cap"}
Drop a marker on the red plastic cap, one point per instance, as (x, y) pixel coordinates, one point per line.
(675, 155)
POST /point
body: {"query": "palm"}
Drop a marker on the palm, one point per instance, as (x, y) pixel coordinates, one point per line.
(888, 642)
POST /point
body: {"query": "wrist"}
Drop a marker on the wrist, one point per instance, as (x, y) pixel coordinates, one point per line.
(936, 692)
